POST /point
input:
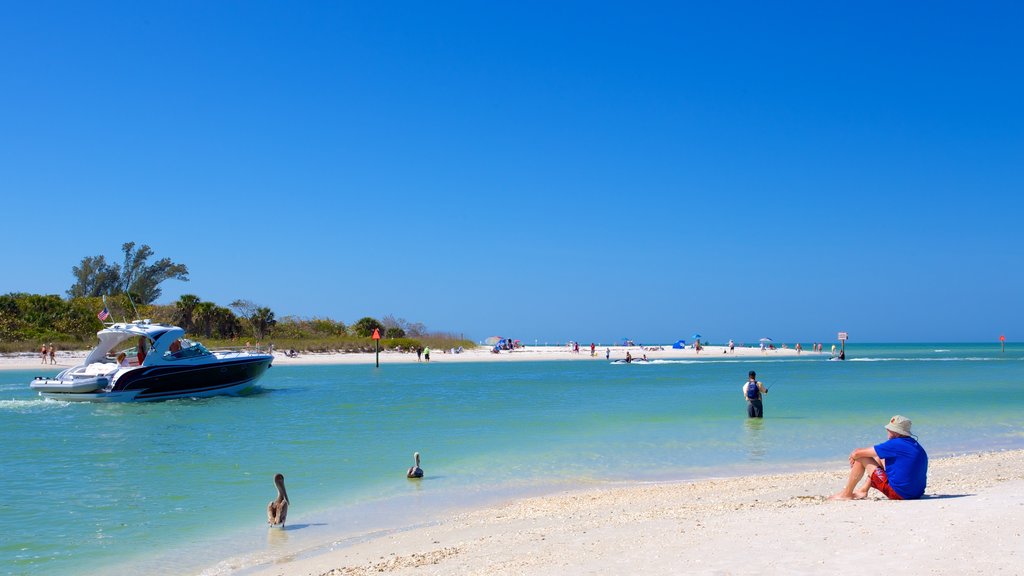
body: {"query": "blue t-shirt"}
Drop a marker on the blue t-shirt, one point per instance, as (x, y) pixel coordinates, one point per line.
(906, 465)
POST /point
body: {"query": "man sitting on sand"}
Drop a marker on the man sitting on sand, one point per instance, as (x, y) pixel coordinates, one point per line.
(897, 467)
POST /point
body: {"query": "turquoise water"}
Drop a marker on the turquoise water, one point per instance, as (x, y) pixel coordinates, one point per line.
(180, 487)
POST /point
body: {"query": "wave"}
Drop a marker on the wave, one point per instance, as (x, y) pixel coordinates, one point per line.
(707, 361)
(25, 405)
(805, 360)
(951, 359)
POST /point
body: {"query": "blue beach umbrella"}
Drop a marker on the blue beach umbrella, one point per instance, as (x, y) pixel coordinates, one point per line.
(695, 336)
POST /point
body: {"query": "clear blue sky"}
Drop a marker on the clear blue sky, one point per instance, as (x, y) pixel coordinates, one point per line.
(540, 170)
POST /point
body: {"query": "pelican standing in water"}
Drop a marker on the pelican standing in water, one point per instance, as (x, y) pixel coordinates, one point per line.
(277, 510)
(415, 471)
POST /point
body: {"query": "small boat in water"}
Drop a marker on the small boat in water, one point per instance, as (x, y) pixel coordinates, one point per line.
(139, 361)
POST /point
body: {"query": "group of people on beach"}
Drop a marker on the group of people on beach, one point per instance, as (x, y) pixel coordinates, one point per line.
(48, 351)
(898, 467)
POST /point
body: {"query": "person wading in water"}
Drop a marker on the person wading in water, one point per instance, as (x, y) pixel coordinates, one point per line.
(752, 391)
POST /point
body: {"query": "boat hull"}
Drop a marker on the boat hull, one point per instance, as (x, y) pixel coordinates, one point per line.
(150, 383)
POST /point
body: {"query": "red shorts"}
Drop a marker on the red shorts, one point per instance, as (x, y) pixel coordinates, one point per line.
(880, 482)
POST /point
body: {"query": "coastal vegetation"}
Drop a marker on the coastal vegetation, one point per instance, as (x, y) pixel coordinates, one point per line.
(29, 320)
(128, 291)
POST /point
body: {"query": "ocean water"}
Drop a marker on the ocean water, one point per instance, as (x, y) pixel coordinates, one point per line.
(181, 487)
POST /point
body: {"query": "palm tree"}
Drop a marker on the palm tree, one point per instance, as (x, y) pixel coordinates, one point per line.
(203, 314)
(262, 320)
(226, 323)
(184, 310)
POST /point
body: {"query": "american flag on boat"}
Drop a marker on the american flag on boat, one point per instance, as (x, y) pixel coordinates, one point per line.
(104, 314)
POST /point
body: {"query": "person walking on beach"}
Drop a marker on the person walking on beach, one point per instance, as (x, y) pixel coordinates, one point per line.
(53, 354)
(752, 391)
(42, 353)
(897, 467)
(419, 353)
(426, 354)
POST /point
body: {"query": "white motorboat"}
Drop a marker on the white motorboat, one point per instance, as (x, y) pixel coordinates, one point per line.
(138, 361)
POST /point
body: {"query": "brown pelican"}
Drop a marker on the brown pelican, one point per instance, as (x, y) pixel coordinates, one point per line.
(415, 471)
(277, 510)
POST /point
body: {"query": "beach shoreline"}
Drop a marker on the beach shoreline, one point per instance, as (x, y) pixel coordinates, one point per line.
(970, 521)
(612, 519)
(68, 359)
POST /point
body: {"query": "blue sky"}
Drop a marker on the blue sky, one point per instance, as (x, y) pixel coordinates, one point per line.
(541, 170)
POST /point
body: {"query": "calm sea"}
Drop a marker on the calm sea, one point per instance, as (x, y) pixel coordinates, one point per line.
(181, 487)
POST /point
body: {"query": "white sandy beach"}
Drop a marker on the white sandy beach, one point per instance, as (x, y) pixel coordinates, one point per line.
(67, 359)
(970, 522)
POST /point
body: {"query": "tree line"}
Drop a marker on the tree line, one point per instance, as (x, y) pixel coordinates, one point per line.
(28, 319)
(128, 291)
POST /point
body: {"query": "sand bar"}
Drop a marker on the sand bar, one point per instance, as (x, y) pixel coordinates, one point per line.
(970, 522)
(68, 359)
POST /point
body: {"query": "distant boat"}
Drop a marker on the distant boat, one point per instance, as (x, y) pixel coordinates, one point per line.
(163, 364)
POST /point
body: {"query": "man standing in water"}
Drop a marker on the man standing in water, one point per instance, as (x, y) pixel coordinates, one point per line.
(897, 467)
(752, 391)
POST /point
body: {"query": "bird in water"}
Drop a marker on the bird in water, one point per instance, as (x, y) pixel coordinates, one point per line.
(415, 471)
(277, 510)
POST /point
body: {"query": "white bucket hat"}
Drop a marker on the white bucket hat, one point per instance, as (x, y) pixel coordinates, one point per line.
(899, 425)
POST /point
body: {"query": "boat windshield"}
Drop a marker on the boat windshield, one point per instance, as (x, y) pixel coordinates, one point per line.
(124, 354)
(189, 349)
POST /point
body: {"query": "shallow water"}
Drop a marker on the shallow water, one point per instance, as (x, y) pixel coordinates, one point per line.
(181, 486)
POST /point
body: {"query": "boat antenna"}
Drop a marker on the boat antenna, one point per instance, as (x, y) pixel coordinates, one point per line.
(129, 295)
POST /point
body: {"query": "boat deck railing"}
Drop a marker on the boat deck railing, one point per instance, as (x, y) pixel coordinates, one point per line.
(247, 349)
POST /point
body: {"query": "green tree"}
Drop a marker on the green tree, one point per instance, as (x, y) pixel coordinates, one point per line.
(262, 321)
(365, 326)
(226, 323)
(80, 319)
(204, 315)
(94, 277)
(142, 279)
(11, 323)
(184, 310)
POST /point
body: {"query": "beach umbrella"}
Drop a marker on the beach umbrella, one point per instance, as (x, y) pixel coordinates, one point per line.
(493, 340)
(695, 336)
(763, 340)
